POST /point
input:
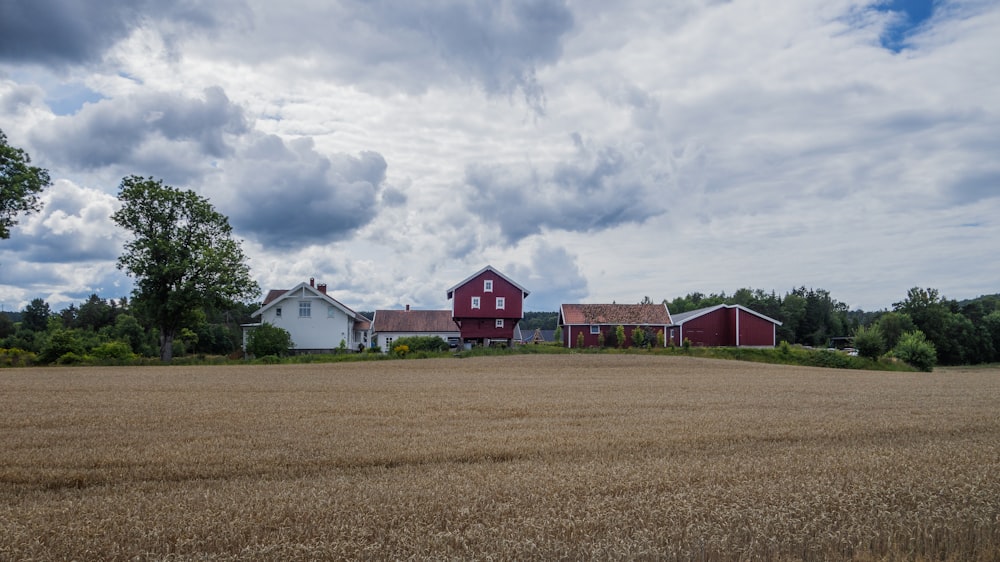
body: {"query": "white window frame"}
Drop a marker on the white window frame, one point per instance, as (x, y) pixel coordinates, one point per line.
(499, 323)
(595, 329)
(305, 309)
(501, 303)
(487, 285)
(475, 302)
(277, 312)
(331, 312)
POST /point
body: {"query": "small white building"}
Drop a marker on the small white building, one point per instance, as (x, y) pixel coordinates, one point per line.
(317, 322)
(390, 325)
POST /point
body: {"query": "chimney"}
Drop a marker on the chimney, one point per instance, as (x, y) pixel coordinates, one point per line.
(407, 308)
(312, 281)
(322, 288)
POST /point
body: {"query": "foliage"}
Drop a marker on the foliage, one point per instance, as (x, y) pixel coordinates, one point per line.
(400, 350)
(579, 340)
(869, 341)
(558, 336)
(182, 255)
(914, 348)
(36, 315)
(620, 335)
(600, 339)
(536, 320)
(60, 343)
(268, 339)
(638, 337)
(893, 325)
(15, 357)
(112, 350)
(20, 185)
(422, 343)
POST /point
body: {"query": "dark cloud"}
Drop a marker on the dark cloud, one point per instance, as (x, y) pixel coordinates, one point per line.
(598, 190)
(286, 194)
(80, 31)
(118, 131)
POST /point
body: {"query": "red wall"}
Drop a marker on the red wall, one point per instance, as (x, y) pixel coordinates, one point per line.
(755, 331)
(591, 340)
(481, 322)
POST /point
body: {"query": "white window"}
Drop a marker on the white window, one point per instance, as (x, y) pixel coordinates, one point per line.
(475, 302)
(499, 322)
(277, 312)
(305, 309)
(331, 312)
(488, 285)
(500, 303)
(595, 329)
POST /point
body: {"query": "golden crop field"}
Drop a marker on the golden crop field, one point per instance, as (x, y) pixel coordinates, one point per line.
(531, 457)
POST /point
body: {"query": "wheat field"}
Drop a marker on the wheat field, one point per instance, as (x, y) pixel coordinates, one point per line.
(529, 457)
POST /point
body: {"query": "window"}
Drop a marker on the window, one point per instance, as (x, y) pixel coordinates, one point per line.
(488, 285)
(305, 309)
(475, 302)
(595, 329)
(499, 322)
(277, 312)
(500, 303)
(331, 312)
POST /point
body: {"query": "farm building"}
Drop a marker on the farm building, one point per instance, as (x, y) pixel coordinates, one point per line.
(390, 325)
(487, 307)
(729, 325)
(598, 322)
(317, 322)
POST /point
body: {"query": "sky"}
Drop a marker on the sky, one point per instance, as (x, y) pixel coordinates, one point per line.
(591, 151)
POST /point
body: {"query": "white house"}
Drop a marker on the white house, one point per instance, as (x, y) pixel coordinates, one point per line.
(390, 325)
(317, 322)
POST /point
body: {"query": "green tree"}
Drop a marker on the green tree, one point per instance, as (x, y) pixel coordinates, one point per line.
(869, 341)
(620, 335)
(268, 339)
(60, 343)
(182, 255)
(36, 316)
(893, 325)
(558, 336)
(638, 336)
(20, 185)
(914, 348)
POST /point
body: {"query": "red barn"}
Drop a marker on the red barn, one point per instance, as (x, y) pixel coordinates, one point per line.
(724, 325)
(487, 307)
(597, 322)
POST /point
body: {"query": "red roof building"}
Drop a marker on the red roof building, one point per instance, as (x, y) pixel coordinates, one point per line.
(728, 325)
(487, 307)
(591, 325)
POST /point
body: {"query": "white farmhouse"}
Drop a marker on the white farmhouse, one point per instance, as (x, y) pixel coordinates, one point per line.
(317, 322)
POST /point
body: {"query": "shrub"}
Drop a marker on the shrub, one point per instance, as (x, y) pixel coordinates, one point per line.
(600, 339)
(16, 357)
(638, 337)
(268, 339)
(869, 342)
(422, 343)
(112, 350)
(914, 348)
(579, 340)
(70, 358)
(60, 343)
(620, 335)
(400, 350)
(784, 349)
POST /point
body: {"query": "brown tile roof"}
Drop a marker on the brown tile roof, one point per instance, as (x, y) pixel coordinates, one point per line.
(414, 321)
(273, 294)
(626, 314)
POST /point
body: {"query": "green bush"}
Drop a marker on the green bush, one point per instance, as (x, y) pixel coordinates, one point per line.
(869, 341)
(268, 339)
(60, 343)
(17, 357)
(422, 343)
(914, 348)
(112, 350)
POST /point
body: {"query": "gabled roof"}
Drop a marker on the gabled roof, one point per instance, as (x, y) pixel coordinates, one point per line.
(631, 314)
(683, 317)
(275, 296)
(414, 321)
(524, 291)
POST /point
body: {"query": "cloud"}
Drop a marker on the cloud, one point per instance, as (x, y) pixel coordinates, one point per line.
(61, 32)
(552, 276)
(600, 188)
(121, 130)
(288, 195)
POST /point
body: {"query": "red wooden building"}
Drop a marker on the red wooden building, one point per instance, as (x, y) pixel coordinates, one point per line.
(487, 307)
(597, 322)
(724, 325)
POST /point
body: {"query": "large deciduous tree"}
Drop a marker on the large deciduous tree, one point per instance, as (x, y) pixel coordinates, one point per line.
(182, 255)
(20, 185)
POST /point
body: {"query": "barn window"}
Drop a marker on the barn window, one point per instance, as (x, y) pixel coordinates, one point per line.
(500, 303)
(305, 309)
(595, 329)
(475, 302)
(499, 322)
(488, 285)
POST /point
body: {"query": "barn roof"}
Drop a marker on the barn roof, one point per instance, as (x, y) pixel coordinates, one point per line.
(630, 314)
(683, 317)
(414, 321)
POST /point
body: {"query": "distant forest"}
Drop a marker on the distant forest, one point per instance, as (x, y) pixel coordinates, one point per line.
(962, 332)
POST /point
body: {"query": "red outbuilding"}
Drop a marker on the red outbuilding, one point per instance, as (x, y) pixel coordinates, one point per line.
(487, 307)
(724, 325)
(591, 325)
